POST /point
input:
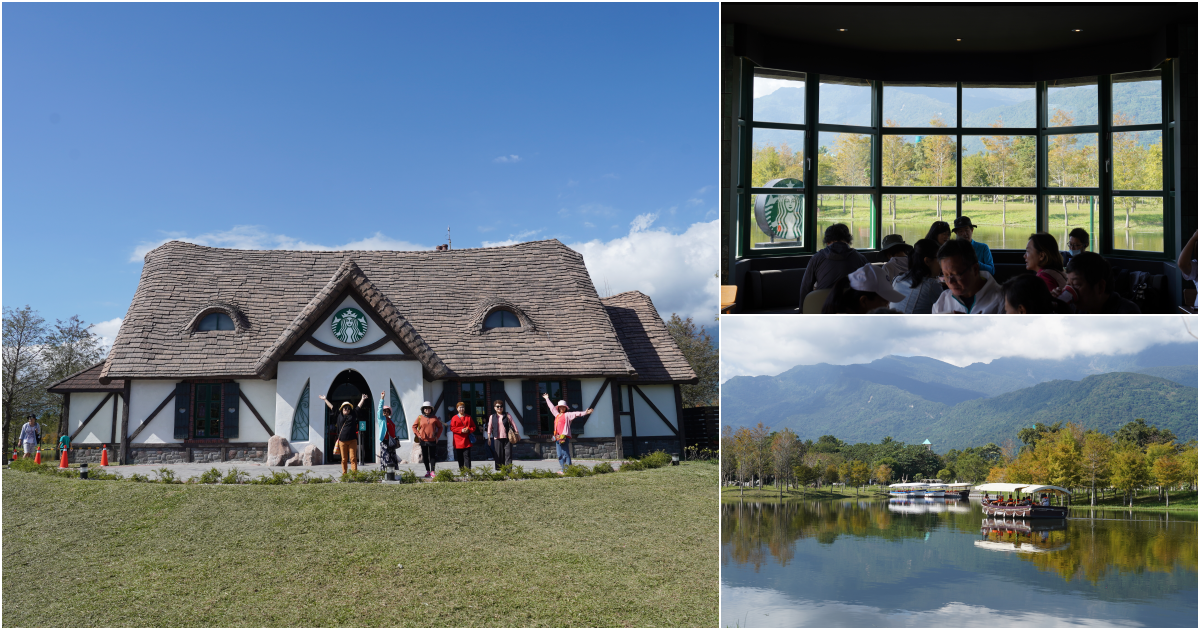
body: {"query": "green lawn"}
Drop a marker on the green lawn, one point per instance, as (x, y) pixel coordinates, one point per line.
(1182, 501)
(622, 549)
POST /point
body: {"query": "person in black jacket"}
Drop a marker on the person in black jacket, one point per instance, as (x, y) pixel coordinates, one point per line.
(831, 264)
(347, 432)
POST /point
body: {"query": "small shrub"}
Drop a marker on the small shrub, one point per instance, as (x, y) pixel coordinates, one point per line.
(166, 475)
(140, 478)
(602, 468)
(697, 454)
(657, 459)
(235, 475)
(497, 476)
(575, 470)
(27, 465)
(362, 476)
(444, 474)
(541, 473)
(104, 475)
(212, 475)
(407, 476)
(70, 473)
(633, 464)
(276, 478)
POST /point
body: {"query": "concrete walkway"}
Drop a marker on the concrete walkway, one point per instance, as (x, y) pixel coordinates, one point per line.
(256, 469)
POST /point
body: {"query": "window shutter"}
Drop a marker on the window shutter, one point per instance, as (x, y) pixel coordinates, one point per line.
(529, 407)
(449, 399)
(183, 410)
(575, 401)
(497, 391)
(229, 414)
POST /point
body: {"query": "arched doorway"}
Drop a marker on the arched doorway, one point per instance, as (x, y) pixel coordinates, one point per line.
(349, 386)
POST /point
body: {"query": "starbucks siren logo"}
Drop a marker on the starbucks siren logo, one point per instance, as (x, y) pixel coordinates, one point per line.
(349, 325)
(781, 216)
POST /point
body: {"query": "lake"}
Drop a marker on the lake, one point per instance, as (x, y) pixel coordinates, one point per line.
(875, 562)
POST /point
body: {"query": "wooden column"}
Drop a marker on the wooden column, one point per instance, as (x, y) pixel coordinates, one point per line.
(616, 405)
(64, 423)
(125, 421)
(112, 433)
(679, 421)
(633, 424)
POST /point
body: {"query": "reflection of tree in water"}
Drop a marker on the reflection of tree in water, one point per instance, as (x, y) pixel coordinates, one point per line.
(1093, 549)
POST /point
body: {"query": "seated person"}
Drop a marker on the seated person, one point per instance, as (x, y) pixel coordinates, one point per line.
(861, 292)
(1187, 264)
(1028, 295)
(939, 232)
(964, 230)
(1045, 500)
(831, 264)
(1043, 258)
(1077, 242)
(1088, 279)
(894, 254)
(969, 290)
(919, 285)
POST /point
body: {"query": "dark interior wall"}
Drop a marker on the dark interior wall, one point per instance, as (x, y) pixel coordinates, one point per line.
(1185, 164)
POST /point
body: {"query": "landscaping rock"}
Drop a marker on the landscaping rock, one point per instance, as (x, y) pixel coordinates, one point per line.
(277, 450)
(415, 455)
(312, 456)
(294, 460)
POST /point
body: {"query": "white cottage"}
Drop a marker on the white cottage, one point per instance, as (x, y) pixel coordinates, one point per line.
(222, 349)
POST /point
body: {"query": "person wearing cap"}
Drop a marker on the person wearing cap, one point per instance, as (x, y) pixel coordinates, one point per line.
(1077, 242)
(919, 285)
(562, 428)
(894, 252)
(964, 229)
(347, 432)
(939, 232)
(389, 431)
(500, 426)
(427, 430)
(864, 290)
(462, 426)
(831, 264)
(969, 289)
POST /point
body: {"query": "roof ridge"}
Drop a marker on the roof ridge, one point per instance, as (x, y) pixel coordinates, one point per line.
(349, 274)
(177, 242)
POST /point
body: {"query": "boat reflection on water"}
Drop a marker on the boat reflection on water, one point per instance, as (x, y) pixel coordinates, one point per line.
(927, 505)
(1041, 536)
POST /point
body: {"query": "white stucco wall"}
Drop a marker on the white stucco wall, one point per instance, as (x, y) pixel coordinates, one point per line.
(648, 422)
(100, 429)
(262, 394)
(144, 396)
(405, 375)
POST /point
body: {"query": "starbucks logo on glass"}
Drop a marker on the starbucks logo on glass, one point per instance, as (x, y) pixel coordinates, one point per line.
(349, 325)
(781, 216)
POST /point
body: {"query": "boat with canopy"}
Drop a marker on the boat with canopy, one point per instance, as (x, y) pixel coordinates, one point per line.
(1017, 507)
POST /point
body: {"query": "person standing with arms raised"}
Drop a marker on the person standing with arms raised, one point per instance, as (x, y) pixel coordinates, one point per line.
(347, 432)
(562, 428)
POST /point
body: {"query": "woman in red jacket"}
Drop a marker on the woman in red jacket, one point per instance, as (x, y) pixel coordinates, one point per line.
(462, 426)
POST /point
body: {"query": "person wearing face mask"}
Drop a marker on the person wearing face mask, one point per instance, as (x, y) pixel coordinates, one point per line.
(1077, 242)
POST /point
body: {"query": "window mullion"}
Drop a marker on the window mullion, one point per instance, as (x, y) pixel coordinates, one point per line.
(1104, 239)
(877, 162)
(1042, 160)
(811, 103)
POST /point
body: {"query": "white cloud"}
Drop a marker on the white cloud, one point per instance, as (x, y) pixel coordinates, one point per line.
(695, 202)
(504, 243)
(107, 331)
(589, 224)
(703, 190)
(254, 237)
(677, 271)
(770, 344)
(507, 159)
(763, 86)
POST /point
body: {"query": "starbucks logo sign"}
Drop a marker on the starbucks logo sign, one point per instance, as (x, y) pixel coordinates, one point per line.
(781, 216)
(349, 325)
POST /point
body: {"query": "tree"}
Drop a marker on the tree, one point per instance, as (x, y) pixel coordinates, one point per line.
(783, 454)
(1129, 470)
(1126, 162)
(945, 474)
(971, 467)
(1065, 466)
(24, 369)
(999, 163)
(72, 348)
(853, 163)
(776, 162)
(729, 462)
(897, 163)
(883, 474)
(1062, 167)
(704, 357)
(1168, 472)
(1094, 459)
(938, 167)
(804, 475)
(860, 474)
(1141, 435)
(831, 474)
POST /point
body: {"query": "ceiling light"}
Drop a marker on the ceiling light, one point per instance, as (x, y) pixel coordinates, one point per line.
(1075, 30)
(958, 40)
(841, 30)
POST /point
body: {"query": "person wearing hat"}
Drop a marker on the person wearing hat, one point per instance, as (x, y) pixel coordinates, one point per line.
(864, 290)
(346, 426)
(919, 285)
(427, 430)
(831, 264)
(894, 252)
(964, 230)
(387, 437)
(969, 289)
(462, 426)
(500, 429)
(562, 428)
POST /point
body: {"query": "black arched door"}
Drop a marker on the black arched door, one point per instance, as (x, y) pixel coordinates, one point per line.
(349, 386)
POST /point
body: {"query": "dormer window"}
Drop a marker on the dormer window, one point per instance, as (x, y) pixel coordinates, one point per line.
(215, 321)
(501, 319)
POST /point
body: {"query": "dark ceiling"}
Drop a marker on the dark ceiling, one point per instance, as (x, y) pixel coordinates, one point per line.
(982, 27)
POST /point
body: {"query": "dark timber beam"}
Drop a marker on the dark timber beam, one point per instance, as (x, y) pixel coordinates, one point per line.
(679, 415)
(124, 456)
(616, 405)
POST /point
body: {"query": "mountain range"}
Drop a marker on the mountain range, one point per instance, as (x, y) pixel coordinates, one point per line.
(917, 398)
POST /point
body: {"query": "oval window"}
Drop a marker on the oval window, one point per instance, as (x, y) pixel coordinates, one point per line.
(501, 319)
(215, 321)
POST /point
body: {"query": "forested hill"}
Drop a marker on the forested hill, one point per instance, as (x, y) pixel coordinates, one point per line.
(954, 407)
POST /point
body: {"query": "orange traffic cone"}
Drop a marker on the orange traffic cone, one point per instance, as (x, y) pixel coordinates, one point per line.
(63, 463)
(37, 459)
(104, 456)
(14, 455)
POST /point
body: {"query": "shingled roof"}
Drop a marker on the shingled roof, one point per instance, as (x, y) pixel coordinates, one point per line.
(648, 344)
(86, 380)
(430, 299)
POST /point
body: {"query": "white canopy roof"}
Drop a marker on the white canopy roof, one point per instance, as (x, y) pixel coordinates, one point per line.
(1023, 488)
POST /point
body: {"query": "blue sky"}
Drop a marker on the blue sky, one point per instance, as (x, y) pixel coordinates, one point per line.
(369, 126)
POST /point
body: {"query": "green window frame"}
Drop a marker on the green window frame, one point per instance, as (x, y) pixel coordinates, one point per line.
(1104, 201)
(207, 404)
(474, 394)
